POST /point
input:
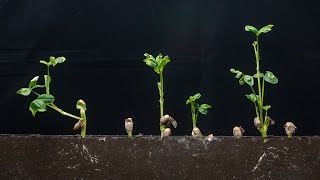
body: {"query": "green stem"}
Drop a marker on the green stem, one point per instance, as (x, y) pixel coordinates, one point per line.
(47, 83)
(260, 103)
(193, 113)
(162, 127)
(35, 93)
(255, 104)
(263, 130)
(129, 133)
(84, 127)
(63, 112)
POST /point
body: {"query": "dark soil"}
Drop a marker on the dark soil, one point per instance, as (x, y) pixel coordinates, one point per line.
(148, 157)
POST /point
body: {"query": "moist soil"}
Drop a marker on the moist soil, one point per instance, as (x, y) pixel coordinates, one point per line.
(149, 157)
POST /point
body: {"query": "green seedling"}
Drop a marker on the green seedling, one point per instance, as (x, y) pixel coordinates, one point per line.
(45, 100)
(262, 121)
(195, 109)
(158, 65)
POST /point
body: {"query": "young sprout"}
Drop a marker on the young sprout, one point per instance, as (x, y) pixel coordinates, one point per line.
(158, 65)
(128, 124)
(290, 129)
(238, 132)
(210, 138)
(195, 109)
(261, 121)
(46, 99)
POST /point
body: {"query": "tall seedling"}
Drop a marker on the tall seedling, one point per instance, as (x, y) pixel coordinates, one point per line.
(158, 65)
(262, 121)
(46, 99)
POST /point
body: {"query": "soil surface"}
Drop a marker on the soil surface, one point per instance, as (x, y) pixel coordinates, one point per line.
(148, 157)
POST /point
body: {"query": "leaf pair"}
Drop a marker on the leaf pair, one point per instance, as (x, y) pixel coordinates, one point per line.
(254, 30)
(40, 104)
(203, 108)
(32, 85)
(157, 63)
(53, 61)
(243, 78)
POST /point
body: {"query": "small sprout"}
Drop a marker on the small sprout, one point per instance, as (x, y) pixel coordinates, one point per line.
(78, 125)
(238, 132)
(196, 133)
(128, 124)
(166, 132)
(210, 138)
(290, 129)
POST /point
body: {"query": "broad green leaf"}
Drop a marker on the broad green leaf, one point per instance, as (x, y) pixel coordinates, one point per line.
(44, 62)
(256, 75)
(33, 81)
(265, 29)
(251, 29)
(37, 105)
(60, 59)
(203, 109)
(53, 61)
(24, 91)
(270, 77)
(196, 96)
(266, 107)
(241, 81)
(252, 97)
(81, 105)
(150, 62)
(47, 80)
(249, 80)
(46, 98)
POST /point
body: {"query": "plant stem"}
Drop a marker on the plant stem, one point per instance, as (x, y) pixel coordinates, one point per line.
(260, 103)
(129, 133)
(193, 113)
(84, 127)
(47, 80)
(63, 112)
(162, 127)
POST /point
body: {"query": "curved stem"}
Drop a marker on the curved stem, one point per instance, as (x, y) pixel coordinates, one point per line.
(63, 112)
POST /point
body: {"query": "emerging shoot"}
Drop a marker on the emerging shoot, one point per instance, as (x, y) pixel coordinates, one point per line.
(45, 100)
(158, 65)
(262, 121)
(128, 124)
(195, 109)
(238, 132)
(290, 129)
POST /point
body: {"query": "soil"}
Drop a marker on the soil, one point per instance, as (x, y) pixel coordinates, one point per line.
(148, 157)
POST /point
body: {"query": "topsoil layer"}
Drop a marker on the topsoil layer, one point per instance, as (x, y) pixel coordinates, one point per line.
(148, 157)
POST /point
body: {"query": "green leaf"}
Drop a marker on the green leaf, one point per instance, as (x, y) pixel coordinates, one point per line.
(163, 62)
(249, 80)
(60, 59)
(37, 105)
(44, 62)
(252, 97)
(270, 77)
(251, 29)
(159, 58)
(266, 107)
(46, 98)
(190, 100)
(265, 29)
(24, 91)
(81, 105)
(150, 63)
(196, 96)
(238, 73)
(53, 61)
(47, 80)
(203, 109)
(33, 81)
(256, 75)
(241, 81)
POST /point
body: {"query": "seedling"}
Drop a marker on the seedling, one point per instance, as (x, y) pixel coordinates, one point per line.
(290, 129)
(257, 95)
(45, 100)
(128, 124)
(195, 109)
(158, 65)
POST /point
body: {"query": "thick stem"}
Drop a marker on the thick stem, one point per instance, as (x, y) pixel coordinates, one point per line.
(129, 133)
(84, 127)
(162, 127)
(63, 112)
(263, 130)
(193, 112)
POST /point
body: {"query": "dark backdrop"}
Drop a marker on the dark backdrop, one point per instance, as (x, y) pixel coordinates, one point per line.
(104, 43)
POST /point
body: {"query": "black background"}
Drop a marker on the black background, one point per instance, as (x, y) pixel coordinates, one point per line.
(104, 43)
